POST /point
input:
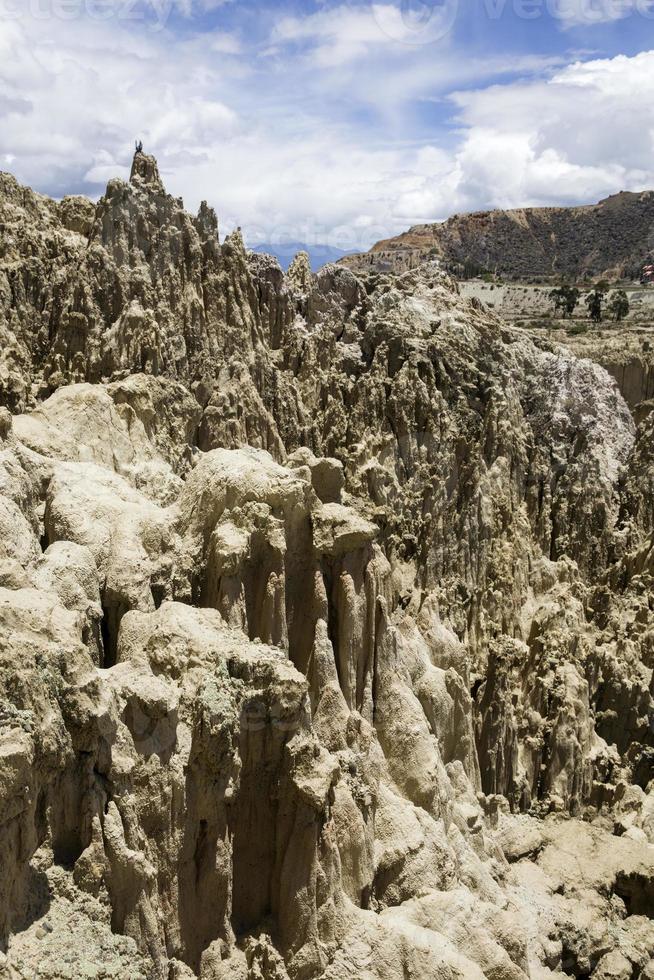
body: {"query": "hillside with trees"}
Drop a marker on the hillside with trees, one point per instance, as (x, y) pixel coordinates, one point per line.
(613, 239)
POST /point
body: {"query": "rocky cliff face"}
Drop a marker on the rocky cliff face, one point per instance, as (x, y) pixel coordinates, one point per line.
(613, 238)
(324, 619)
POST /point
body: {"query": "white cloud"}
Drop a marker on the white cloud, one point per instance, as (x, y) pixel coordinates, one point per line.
(223, 43)
(75, 98)
(336, 35)
(586, 131)
(332, 36)
(279, 147)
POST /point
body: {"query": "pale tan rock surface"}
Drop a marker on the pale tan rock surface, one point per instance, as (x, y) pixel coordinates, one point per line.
(326, 634)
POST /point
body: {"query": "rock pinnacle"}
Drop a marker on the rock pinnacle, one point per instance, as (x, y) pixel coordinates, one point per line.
(145, 170)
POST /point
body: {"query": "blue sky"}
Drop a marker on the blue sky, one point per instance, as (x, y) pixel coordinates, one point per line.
(339, 122)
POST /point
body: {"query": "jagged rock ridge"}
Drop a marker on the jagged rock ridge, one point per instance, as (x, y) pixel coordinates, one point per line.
(324, 618)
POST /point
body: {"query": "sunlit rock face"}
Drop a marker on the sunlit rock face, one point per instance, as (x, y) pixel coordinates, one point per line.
(326, 644)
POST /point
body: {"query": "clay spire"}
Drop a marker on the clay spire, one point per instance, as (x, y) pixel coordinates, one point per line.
(145, 170)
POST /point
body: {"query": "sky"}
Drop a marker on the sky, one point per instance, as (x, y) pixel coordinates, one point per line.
(328, 121)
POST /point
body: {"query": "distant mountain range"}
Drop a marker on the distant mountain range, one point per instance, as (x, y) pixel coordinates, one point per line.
(319, 255)
(612, 239)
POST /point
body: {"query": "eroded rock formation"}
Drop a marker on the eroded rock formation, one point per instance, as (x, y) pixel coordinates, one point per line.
(326, 638)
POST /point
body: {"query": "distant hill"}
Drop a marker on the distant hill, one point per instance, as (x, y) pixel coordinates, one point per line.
(319, 255)
(613, 238)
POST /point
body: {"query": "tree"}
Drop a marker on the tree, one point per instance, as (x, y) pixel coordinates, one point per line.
(595, 300)
(472, 269)
(619, 305)
(565, 299)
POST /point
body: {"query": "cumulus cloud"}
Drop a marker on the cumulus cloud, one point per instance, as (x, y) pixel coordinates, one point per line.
(574, 136)
(344, 152)
(585, 131)
(75, 97)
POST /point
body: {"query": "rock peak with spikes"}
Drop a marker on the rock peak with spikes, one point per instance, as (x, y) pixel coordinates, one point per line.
(145, 170)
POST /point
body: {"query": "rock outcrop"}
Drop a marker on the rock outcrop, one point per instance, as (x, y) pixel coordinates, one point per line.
(325, 619)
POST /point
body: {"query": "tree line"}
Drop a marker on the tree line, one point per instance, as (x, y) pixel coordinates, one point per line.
(566, 299)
